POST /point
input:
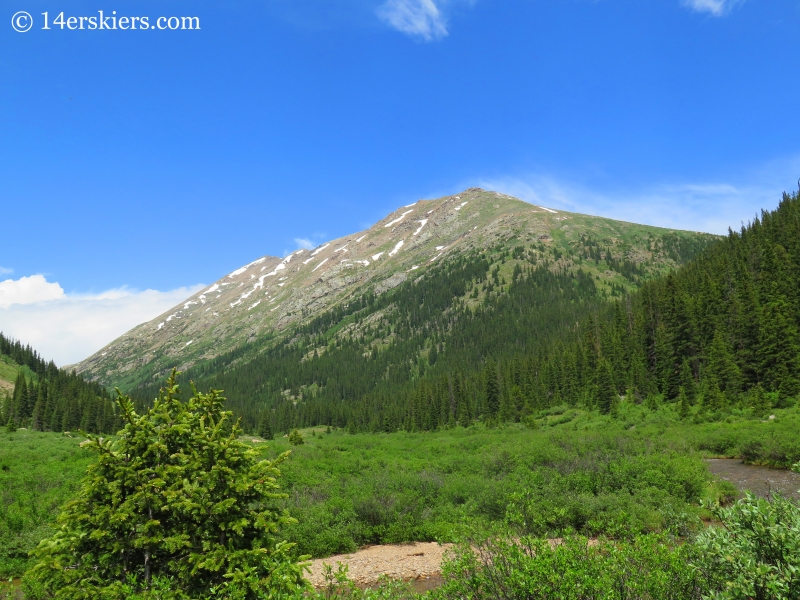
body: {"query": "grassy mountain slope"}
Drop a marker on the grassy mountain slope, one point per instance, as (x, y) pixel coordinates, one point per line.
(449, 280)
(8, 374)
(36, 394)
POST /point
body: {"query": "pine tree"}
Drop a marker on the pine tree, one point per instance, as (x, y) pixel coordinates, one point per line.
(264, 426)
(722, 366)
(683, 403)
(38, 409)
(713, 399)
(605, 392)
(173, 500)
(688, 382)
(492, 390)
(462, 406)
(779, 348)
(507, 412)
(759, 403)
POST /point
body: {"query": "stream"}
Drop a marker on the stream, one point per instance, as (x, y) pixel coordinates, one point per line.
(761, 481)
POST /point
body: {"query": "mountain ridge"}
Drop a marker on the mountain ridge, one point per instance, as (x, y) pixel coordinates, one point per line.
(268, 296)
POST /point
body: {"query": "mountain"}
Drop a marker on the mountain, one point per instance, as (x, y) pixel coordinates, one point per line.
(433, 269)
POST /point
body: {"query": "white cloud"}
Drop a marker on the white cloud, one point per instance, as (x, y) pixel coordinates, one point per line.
(417, 18)
(27, 290)
(709, 207)
(6, 271)
(716, 8)
(69, 327)
(304, 243)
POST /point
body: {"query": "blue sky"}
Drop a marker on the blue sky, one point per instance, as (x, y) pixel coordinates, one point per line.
(160, 160)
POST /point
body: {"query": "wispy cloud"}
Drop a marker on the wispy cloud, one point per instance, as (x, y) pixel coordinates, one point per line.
(304, 243)
(421, 19)
(710, 207)
(716, 8)
(69, 327)
(6, 271)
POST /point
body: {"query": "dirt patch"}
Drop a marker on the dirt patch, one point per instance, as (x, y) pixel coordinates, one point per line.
(418, 561)
(6, 386)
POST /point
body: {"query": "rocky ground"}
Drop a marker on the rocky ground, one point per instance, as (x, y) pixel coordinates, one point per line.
(419, 562)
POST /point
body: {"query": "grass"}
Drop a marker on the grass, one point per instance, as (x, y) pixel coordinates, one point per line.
(573, 472)
(39, 472)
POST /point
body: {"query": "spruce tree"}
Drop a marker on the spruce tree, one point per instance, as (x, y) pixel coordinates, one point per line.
(779, 348)
(605, 392)
(683, 403)
(264, 426)
(713, 399)
(759, 403)
(722, 366)
(296, 438)
(688, 382)
(175, 500)
(492, 390)
(462, 406)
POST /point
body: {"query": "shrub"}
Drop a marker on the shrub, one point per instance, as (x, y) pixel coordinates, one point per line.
(646, 568)
(175, 502)
(756, 554)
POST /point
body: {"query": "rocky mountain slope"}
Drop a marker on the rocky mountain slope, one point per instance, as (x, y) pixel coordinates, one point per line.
(265, 299)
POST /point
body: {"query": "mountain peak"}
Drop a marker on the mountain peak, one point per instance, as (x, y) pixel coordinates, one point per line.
(270, 294)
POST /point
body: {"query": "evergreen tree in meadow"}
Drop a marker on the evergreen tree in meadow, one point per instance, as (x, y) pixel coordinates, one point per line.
(175, 507)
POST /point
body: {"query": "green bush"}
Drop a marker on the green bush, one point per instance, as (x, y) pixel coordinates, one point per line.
(756, 552)
(174, 507)
(646, 568)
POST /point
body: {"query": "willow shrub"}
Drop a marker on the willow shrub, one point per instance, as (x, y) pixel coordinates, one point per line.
(576, 569)
(756, 554)
(174, 507)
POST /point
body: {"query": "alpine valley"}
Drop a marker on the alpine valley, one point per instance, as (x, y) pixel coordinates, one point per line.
(436, 287)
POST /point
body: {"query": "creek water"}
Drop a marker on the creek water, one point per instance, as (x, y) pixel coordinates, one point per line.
(761, 481)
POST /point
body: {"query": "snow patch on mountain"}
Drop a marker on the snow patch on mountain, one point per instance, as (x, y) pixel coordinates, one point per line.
(398, 219)
(397, 247)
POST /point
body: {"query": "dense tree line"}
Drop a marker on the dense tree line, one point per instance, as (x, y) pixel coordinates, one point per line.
(724, 330)
(47, 398)
(385, 361)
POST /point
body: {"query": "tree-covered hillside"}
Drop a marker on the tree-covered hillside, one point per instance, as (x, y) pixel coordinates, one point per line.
(46, 398)
(721, 331)
(358, 364)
